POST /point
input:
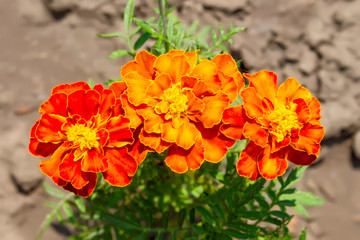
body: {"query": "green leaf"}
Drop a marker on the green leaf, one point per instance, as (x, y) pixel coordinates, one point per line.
(128, 15)
(306, 198)
(295, 175)
(68, 211)
(280, 214)
(141, 40)
(303, 234)
(79, 203)
(122, 222)
(300, 209)
(181, 217)
(192, 215)
(287, 203)
(197, 191)
(59, 216)
(252, 215)
(145, 26)
(165, 219)
(91, 83)
(45, 225)
(202, 36)
(234, 233)
(193, 27)
(262, 202)
(114, 34)
(199, 229)
(207, 216)
(118, 53)
(53, 191)
(273, 221)
(218, 211)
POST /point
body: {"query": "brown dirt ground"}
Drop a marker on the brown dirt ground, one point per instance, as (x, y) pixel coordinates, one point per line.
(48, 42)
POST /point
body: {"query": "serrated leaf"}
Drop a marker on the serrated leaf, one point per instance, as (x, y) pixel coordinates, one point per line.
(79, 203)
(300, 209)
(53, 191)
(295, 175)
(145, 26)
(218, 211)
(193, 27)
(128, 15)
(122, 222)
(202, 36)
(118, 53)
(207, 216)
(252, 215)
(141, 40)
(273, 221)
(234, 233)
(114, 34)
(261, 201)
(303, 234)
(68, 211)
(287, 203)
(280, 214)
(305, 198)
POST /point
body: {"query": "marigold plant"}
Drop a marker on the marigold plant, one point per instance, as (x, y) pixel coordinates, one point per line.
(80, 133)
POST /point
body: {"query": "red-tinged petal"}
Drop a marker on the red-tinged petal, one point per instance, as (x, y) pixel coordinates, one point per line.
(267, 105)
(215, 143)
(207, 72)
(41, 149)
(261, 79)
(229, 86)
(214, 108)
(290, 90)
(50, 167)
(107, 102)
(233, 122)
(158, 86)
(152, 120)
(138, 150)
(201, 89)
(137, 85)
(130, 112)
(174, 65)
(247, 164)
(153, 141)
(70, 171)
(195, 105)
(283, 166)
(85, 104)
(269, 164)
(70, 88)
(143, 64)
(57, 105)
(94, 161)
(256, 133)
(315, 108)
(180, 160)
(299, 157)
(49, 127)
(122, 167)
(119, 132)
(225, 63)
(118, 88)
(252, 103)
(192, 59)
(85, 191)
(276, 146)
(185, 136)
(309, 139)
(302, 110)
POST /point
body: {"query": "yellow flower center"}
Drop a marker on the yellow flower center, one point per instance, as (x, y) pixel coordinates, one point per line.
(82, 136)
(282, 120)
(176, 102)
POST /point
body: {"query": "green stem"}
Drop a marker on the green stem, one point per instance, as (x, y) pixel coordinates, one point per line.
(162, 15)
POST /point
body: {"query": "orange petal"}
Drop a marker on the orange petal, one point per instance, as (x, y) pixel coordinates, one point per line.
(192, 59)
(229, 86)
(122, 167)
(214, 108)
(261, 79)
(247, 164)
(283, 166)
(290, 90)
(174, 65)
(69, 88)
(276, 146)
(85, 191)
(70, 171)
(138, 150)
(57, 104)
(49, 127)
(153, 141)
(315, 108)
(41, 149)
(94, 161)
(118, 88)
(137, 85)
(119, 132)
(270, 163)
(252, 103)
(207, 72)
(225, 63)
(158, 86)
(130, 112)
(195, 105)
(50, 167)
(180, 160)
(309, 139)
(85, 104)
(143, 64)
(185, 136)
(299, 157)
(107, 102)
(256, 133)
(302, 110)
(215, 143)
(152, 120)
(233, 122)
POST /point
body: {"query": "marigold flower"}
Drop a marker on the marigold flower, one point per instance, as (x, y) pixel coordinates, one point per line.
(83, 135)
(281, 123)
(181, 103)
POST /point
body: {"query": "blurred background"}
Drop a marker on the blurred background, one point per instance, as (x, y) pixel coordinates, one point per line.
(44, 43)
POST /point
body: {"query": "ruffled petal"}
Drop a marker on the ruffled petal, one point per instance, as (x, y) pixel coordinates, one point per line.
(269, 164)
(94, 161)
(206, 71)
(49, 127)
(229, 86)
(50, 167)
(158, 86)
(57, 105)
(70, 88)
(192, 59)
(256, 133)
(172, 64)
(309, 139)
(41, 149)
(180, 160)
(84, 103)
(70, 171)
(130, 112)
(153, 141)
(118, 88)
(315, 108)
(290, 90)
(107, 102)
(195, 105)
(138, 150)
(261, 79)
(299, 157)
(214, 108)
(184, 137)
(247, 164)
(143, 64)
(122, 167)
(152, 120)
(233, 122)
(252, 103)
(136, 87)
(85, 191)
(119, 132)
(302, 110)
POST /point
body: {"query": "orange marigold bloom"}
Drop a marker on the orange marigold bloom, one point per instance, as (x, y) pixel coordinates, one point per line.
(282, 123)
(181, 103)
(82, 134)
